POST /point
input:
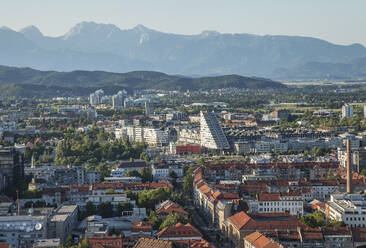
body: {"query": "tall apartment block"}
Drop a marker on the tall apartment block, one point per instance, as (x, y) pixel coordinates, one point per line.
(212, 135)
(347, 111)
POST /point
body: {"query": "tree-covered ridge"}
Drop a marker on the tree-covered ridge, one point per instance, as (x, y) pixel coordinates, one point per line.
(26, 82)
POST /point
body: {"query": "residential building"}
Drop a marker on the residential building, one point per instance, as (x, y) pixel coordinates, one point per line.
(347, 111)
(258, 240)
(62, 222)
(241, 224)
(179, 232)
(278, 203)
(151, 242)
(127, 166)
(212, 135)
(242, 147)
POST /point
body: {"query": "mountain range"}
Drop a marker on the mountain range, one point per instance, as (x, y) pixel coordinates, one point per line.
(93, 46)
(27, 82)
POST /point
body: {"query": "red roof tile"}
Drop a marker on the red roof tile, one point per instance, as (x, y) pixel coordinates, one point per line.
(179, 231)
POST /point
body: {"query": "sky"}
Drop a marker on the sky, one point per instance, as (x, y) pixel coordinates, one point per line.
(338, 21)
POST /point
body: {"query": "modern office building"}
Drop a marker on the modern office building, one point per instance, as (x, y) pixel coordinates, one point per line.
(212, 135)
(349, 208)
(11, 167)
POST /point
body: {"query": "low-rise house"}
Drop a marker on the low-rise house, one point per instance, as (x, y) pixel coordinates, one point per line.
(127, 166)
(258, 240)
(179, 232)
(168, 207)
(106, 242)
(151, 242)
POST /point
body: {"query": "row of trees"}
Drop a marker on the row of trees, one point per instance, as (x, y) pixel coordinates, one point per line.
(91, 147)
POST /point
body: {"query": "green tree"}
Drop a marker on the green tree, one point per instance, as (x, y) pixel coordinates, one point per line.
(105, 209)
(104, 170)
(315, 219)
(69, 241)
(84, 244)
(133, 173)
(188, 181)
(90, 209)
(172, 220)
(156, 221)
(123, 206)
(146, 175)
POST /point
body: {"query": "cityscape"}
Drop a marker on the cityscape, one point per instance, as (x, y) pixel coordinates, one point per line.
(135, 138)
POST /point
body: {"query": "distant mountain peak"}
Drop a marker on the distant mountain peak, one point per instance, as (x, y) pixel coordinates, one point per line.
(144, 33)
(91, 28)
(207, 33)
(141, 28)
(6, 28)
(31, 32)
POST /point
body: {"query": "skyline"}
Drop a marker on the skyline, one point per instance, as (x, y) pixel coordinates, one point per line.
(335, 21)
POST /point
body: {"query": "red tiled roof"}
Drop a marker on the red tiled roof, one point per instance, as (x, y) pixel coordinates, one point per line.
(131, 186)
(264, 221)
(153, 243)
(170, 209)
(258, 240)
(195, 243)
(179, 231)
(106, 242)
(359, 234)
(341, 230)
(240, 219)
(311, 234)
(141, 226)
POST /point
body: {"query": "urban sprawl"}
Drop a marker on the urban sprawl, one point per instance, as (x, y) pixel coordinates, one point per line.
(154, 168)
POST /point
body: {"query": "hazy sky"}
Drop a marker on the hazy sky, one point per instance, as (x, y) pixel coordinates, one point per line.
(338, 21)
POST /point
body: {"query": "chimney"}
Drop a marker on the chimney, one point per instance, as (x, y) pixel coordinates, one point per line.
(349, 173)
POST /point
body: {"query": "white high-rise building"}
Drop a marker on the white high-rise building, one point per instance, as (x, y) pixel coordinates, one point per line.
(347, 111)
(148, 110)
(118, 100)
(212, 135)
(96, 97)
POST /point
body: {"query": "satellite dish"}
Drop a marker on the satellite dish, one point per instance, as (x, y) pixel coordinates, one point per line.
(30, 211)
(38, 226)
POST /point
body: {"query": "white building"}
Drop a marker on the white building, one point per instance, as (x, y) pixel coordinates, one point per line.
(277, 203)
(93, 177)
(242, 147)
(212, 135)
(21, 231)
(347, 111)
(118, 100)
(126, 166)
(96, 97)
(156, 137)
(349, 208)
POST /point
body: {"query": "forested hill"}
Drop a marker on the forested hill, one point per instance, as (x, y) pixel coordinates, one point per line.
(27, 82)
